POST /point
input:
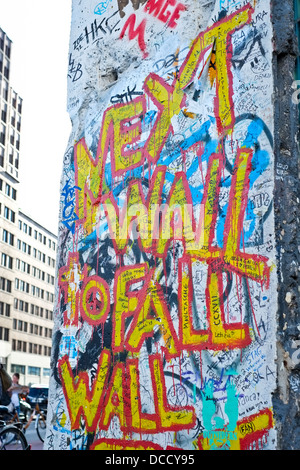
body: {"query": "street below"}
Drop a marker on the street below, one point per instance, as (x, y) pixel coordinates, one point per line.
(32, 438)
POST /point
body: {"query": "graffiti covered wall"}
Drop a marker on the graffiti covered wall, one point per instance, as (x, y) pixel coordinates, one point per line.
(166, 294)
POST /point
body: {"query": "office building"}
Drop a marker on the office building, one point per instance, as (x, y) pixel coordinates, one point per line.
(27, 252)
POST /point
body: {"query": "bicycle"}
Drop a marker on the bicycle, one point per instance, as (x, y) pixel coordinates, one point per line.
(12, 437)
(40, 422)
(11, 418)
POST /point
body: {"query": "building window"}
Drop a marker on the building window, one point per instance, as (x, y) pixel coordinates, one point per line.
(23, 266)
(9, 214)
(4, 334)
(1, 156)
(6, 261)
(14, 99)
(5, 284)
(7, 237)
(20, 103)
(18, 345)
(17, 160)
(46, 372)
(6, 69)
(4, 309)
(2, 134)
(16, 368)
(4, 113)
(33, 349)
(34, 370)
(8, 50)
(21, 285)
(5, 90)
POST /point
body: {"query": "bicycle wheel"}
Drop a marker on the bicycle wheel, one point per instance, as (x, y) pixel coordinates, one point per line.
(41, 426)
(12, 438)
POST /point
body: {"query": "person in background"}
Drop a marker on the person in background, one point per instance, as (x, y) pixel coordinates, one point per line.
(14, 390)
(5, 383)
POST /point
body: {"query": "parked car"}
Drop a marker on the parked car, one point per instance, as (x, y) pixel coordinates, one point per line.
(38, 394)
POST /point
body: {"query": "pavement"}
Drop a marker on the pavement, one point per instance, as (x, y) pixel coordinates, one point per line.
(33, 439)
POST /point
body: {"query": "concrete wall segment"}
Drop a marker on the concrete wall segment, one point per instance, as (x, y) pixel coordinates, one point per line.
(286, 209)
(166, 334)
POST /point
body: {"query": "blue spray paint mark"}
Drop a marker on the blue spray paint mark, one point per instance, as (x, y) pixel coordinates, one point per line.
(209, 407)
(260, 162)
(101, 7)
(231, 407)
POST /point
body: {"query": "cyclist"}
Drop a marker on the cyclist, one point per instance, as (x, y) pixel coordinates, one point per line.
(15, 389)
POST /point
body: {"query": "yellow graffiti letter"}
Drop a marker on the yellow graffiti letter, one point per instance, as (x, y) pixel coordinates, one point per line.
(81, 400)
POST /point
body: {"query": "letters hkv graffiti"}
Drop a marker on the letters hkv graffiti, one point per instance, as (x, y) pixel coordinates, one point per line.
(165, 301)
